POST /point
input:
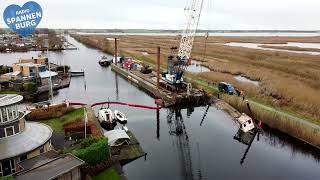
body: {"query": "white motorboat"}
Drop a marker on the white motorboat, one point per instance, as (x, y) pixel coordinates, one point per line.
(120, 117)
(105, 116)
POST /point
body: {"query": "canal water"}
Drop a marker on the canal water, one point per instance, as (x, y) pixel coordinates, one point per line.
(208, 151)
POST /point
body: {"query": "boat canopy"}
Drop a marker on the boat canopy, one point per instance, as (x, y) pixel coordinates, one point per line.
(115, 135)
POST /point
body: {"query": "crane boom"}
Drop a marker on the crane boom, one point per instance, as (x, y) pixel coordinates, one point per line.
(186, 43)
(177, 65)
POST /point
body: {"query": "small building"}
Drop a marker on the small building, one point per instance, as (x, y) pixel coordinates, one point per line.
(19, 140)
(12, 76)
(66, 167)
(33, 71)
(117, 137)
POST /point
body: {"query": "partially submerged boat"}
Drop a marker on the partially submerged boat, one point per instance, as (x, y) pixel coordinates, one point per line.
(105, 61)
(120, 117)
(246, 123)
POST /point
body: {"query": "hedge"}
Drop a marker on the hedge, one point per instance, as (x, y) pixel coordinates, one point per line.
(30, 87)
(94, 153)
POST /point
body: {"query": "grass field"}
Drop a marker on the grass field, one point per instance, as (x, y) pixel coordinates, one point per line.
(108, 174)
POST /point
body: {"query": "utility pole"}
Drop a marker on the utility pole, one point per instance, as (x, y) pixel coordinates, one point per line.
(50, 79)
(85, 122)
(116, 50)
(158, 67)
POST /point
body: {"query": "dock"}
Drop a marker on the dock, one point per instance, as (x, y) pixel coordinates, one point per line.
(63, 84)
(76, 73)
(148, 82)
(125, 153)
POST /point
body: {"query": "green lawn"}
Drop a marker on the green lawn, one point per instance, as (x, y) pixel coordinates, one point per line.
(57, 123)
(10, 92)
(108, 174)
(7, 178)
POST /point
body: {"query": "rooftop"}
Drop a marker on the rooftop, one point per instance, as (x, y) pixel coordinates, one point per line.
(8, 99)
(29, 64)
(16, 73)
(47, 74)
(39, 160)
(33, 136)
(115, 135)
(52, 169)
(244, 118)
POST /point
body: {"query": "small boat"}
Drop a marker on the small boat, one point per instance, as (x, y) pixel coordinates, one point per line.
(246, 123)
(76, 73)
(105, 61)
(120, 117)
(105, 116)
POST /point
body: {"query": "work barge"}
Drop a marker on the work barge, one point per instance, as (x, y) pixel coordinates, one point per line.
(166, 96)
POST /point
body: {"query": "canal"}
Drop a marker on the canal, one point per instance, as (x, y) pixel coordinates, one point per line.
(208, 151)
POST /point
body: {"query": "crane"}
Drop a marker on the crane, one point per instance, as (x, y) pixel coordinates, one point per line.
(178, 64)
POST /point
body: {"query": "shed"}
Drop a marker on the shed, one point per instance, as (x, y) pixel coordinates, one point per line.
(116, 137)
(66, 167)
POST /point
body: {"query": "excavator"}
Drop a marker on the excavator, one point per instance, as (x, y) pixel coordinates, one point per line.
(178, 64)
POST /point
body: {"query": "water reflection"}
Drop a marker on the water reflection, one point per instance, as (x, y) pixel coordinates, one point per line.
(205, 114)
(281, 140)
(247, 139)
(117, 86)
(158, 124)
(180, 140)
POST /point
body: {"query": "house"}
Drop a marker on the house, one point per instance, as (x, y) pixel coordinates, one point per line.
(66, 167)
(35, 69)
(19, 139)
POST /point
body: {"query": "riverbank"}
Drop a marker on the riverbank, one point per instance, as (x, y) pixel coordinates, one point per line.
(291, 124)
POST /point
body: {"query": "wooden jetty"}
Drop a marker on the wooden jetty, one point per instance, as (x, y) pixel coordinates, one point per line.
(148, 82)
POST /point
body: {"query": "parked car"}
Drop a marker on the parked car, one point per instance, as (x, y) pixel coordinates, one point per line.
(226, 88)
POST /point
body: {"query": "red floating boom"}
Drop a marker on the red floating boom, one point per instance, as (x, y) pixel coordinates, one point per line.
(113, 102)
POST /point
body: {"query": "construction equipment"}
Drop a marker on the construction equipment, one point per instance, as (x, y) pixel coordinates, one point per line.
(146, 69)
(177, 64)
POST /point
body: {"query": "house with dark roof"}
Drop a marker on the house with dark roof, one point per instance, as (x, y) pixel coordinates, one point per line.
(66, 167)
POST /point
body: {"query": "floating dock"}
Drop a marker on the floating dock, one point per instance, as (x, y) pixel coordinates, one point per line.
(148, 82)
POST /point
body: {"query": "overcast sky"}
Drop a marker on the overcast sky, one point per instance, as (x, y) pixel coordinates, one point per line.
(169, 14)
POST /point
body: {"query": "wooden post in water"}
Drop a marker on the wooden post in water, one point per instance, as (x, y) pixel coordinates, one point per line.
(158, 67)
(115, 50)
